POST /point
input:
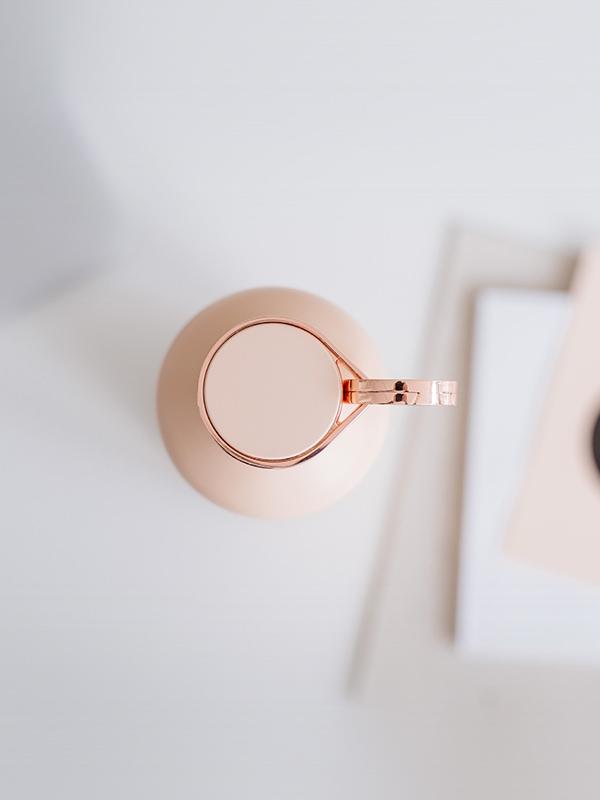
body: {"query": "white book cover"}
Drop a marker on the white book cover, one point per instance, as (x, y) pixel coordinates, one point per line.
(507, 608)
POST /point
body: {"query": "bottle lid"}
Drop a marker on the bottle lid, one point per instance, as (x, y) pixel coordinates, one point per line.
(272, 390)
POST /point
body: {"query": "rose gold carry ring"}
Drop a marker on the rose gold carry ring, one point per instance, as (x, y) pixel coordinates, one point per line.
(358, 392)
(402, 392)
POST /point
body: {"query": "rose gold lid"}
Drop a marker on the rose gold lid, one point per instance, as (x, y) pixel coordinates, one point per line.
(251, 390)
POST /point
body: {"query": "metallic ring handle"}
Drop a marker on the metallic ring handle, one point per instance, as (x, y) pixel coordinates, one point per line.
(404, 392)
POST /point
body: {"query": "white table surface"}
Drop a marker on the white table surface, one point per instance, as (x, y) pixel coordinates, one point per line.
(154, 157)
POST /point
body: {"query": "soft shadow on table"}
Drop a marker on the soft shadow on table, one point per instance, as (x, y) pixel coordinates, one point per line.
(56, 220)
(114, 339)
(114, 330)
(61, 235)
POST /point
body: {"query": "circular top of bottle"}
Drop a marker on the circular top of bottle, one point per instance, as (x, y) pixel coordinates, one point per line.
(272, 390)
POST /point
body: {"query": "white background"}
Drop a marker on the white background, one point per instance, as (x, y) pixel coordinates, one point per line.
(154, 157)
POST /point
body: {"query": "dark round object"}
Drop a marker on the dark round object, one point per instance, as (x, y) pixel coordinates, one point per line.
(596, 443)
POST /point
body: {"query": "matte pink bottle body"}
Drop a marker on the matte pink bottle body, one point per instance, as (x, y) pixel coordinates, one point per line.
(280, 419)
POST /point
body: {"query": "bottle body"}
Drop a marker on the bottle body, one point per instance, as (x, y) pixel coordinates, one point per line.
(304, 487)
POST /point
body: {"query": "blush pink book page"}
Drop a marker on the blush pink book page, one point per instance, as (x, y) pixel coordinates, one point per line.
(557, 519)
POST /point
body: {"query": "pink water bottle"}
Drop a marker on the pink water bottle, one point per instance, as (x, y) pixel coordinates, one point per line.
(269, 404)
